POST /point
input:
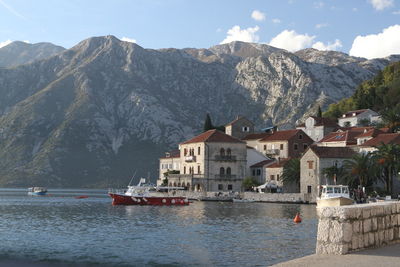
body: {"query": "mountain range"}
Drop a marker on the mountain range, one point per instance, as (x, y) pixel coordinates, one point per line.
(92, 115)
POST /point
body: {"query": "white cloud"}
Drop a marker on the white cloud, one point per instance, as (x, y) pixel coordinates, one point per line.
(377, 45)
(381, 4)
(276, 21)
(396, 12)
(245, 35)
(258, 15)
(292, 41)
(328, 47)
(321, 25)
(130, 40)
(12, 10)
(319, 4)
(2, 44)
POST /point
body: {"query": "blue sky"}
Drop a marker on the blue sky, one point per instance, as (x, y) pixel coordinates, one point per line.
(369, 28)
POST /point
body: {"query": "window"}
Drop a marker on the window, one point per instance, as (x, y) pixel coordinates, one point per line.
(277, 177)
(245, 129)
(198, 151)
(185, 151)
(281, 146)
(272, 177)
(221, 171)
(305, 146)
(258, 172)
(198, 169)
(300, 136)
(220, 187)
(222, 152)
(295, 146)
(309, 189)
(265, 147)
(254, 172)
(228, 171)
(310, 164)
(228, 152)
(230, 187)
(184, 170)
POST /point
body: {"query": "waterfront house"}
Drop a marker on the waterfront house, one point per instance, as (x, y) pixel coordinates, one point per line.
(240, 127)
(285, 144)
(211, 161)
(253, 140)
(316, 127)
(255, 157)
(312, 163)
(373, 144)
(169, 163)
(259, 172)
(359, 117)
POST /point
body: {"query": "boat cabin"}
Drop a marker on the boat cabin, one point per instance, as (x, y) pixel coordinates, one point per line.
(329, 191)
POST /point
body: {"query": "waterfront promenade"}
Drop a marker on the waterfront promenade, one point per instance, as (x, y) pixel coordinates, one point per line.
(383, 256)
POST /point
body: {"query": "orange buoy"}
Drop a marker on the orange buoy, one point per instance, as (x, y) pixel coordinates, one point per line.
(297, 219)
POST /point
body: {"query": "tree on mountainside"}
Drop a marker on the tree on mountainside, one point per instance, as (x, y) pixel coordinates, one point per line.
(207, 123)
(391, 118)
(319, 112)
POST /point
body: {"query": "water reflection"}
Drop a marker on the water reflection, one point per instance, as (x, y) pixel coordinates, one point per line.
(62, 228)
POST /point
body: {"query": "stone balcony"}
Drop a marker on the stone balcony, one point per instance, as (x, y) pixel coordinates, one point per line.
(272, 151)
(190, 159)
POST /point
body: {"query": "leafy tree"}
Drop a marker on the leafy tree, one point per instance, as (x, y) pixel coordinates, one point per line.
(207, 123)
(319, 112)
(388, 159)
(334, 171)
(391, 118)
(249, 183)
(360, 170)
(291, 172)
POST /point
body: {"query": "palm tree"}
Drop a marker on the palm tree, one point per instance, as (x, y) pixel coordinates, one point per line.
(334, 171)
(291, 172)
(391, 118)
(388, 159)
(361, 170)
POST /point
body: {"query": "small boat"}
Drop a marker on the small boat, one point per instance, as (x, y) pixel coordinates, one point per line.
(334, 195)
(148, 194)
(243, 200)
(37, 191)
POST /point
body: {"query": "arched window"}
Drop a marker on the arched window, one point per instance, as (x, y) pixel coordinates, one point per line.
(222, 171)
(228, 152)
(184, 169)
(222, 152)
(228, 171)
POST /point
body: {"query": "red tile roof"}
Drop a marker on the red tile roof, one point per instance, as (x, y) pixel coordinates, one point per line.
(332, 152)
(278, 164)
(172, 154)
(356, 112)
(392, 138)
(262, 163)
(256, 136)
(370, 133)
(284, 136)
(347, 136)
(213, 136)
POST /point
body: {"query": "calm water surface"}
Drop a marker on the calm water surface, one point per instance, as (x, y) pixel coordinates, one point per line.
(61, 229)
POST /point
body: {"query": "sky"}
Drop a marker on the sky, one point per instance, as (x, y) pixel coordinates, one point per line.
(365, 28)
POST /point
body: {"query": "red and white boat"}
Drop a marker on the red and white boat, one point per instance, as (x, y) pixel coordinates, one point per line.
(147, 194)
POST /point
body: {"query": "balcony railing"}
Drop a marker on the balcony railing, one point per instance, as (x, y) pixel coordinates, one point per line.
(272, 151)
(190, 158)
(225, 176)
(225, 158)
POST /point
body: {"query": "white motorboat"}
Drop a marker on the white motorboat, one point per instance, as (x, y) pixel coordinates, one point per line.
(334, 195)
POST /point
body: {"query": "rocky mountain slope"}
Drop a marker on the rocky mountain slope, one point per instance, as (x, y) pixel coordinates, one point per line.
(17, 53)
(95, 113)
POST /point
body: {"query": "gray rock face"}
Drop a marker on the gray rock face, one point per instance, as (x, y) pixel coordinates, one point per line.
(95, 113)
(17, 53)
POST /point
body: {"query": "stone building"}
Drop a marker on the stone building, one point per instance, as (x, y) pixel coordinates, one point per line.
(253, 140)
(285, 144)
(259, 172)
(372, 144)
(211, 161)
(316, 128)
(239, 128)
(171, 162)
(343, 137)
(312, 163)
(358, 117)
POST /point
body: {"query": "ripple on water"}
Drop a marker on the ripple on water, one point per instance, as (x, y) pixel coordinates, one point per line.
(61, 228)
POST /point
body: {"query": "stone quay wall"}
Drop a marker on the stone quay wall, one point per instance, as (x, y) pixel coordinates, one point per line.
(275, 197)
(355, 227)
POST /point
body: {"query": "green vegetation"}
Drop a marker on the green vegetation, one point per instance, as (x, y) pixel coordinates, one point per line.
(209, 126)
(381, 94)
(249, 183)
(291, 172)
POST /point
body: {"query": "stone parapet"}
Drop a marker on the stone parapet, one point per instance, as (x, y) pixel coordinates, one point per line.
(355, 227)
(275, 197)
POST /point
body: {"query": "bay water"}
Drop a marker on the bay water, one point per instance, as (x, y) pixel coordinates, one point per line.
(59, 229)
